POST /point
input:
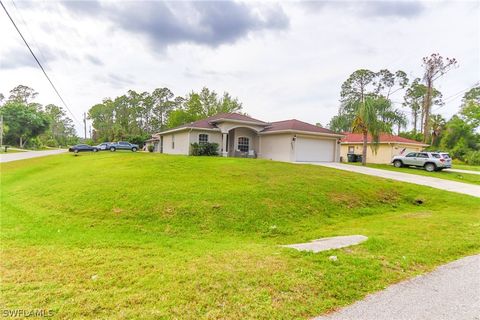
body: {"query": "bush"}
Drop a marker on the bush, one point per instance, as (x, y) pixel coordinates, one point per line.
(204, 149)
(34, 143)
(473, 158)
(150, 148)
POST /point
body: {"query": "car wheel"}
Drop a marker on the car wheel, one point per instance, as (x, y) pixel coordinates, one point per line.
(398, 164)
(95, 150)
(134, 149)
(430, 167)
(112, 149)
(75, 151)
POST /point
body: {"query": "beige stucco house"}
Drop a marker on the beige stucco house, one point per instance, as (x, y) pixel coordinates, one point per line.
(388, 147)
(239, 135)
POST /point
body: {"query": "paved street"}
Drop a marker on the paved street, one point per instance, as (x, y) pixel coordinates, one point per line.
(7, 157)
(450, 292)
(447, 185)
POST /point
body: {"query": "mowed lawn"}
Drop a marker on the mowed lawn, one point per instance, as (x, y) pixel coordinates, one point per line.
(150, 236)
(466, 167)
(448, 175)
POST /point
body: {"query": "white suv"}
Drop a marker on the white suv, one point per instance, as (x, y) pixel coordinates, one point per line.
(431, 161)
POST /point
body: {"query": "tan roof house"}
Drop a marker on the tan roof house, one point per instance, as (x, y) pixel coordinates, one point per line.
(239, 135)
(389, 146)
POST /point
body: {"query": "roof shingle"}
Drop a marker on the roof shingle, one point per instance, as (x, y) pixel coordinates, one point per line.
(384, 137)
(295, 125)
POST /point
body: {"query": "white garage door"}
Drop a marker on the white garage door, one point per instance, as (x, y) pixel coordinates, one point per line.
(314, 150)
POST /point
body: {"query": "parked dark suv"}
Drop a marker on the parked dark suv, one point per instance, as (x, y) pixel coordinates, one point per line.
(123, 145)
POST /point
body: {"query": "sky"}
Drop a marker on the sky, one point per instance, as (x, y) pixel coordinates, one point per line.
(283, 60)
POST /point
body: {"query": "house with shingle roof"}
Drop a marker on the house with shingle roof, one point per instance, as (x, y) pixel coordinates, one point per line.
(239, 135)
(389, 145)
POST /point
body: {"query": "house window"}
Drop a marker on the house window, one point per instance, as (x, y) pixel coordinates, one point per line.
(351, 149)
(173, 141)
(243, 144)
(202, 138)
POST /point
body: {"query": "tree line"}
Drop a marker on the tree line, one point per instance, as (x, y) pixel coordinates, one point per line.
(136, 116)
(366, 107)
(28, 124)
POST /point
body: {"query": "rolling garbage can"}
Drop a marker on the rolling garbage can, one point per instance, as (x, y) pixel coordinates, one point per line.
(351, 157)
(358, 158)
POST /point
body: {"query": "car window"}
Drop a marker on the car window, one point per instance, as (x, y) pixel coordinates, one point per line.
(436, 155)
(411, 155)
(422, 155)
(445, 155)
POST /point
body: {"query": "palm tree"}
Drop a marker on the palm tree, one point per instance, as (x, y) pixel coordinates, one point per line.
(368, 121)
(437, 123)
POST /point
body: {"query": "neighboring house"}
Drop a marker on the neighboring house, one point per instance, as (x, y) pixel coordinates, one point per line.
(388, 147)
(239, 135)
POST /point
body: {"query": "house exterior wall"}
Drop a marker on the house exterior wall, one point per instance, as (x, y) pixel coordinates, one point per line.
(182, 143)
(384, 154)
(276, 147)
(213, 136)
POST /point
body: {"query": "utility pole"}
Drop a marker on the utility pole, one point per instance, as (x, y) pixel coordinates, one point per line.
(85, 124)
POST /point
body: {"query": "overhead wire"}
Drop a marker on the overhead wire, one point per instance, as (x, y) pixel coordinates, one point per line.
(38, 62)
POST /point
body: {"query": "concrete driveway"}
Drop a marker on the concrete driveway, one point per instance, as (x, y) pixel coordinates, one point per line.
(450, 292)
(8, 157)
(447, 185)
(462, 171)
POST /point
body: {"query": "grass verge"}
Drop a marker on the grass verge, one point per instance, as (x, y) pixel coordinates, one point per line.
(149, 236)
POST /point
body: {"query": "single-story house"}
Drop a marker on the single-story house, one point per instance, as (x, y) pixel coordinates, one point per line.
(388, 147)
(239, 135)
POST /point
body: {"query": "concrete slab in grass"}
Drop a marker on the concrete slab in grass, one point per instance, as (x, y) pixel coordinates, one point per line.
(325, 244)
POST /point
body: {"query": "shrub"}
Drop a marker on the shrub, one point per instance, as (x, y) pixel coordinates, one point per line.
(150, 148)
(473, 158)
(204, 149)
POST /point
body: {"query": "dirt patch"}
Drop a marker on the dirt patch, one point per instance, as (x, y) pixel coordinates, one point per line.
(417, 215)
(349, 200)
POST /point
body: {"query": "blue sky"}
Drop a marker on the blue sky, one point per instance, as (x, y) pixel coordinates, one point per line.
(281, 59)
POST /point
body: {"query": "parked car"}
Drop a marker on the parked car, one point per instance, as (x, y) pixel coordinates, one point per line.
(431, 161)
(123, 145)
(82, 148)
(104, 146)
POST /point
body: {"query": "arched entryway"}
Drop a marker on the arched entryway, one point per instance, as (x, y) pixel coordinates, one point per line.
(242, 142)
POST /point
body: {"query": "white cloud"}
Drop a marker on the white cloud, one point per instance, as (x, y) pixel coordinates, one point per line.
(278, 72)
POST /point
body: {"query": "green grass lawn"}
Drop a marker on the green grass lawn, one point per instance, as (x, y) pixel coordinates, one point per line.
(2, 151)
(448, 175)
(150, 236)
(466, 167)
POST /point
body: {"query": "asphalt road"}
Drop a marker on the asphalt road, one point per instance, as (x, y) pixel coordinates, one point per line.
(447, 185)
(450, 292)
(7, 157)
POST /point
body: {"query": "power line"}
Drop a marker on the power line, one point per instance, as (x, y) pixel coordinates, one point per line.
(19, 14)
(38, 62)
(453, 96)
